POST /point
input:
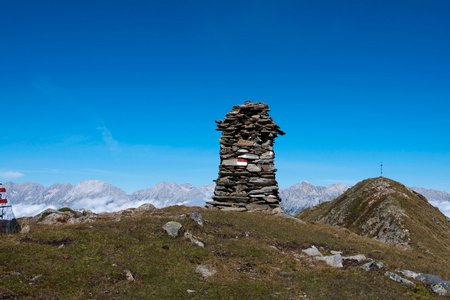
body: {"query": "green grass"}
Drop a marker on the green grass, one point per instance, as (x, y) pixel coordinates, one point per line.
(256, 256)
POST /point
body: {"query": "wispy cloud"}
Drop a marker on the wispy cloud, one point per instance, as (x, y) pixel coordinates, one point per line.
(11, 174)
(111, 143)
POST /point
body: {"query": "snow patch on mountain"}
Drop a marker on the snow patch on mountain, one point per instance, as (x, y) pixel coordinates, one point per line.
(31, 198)
(305, 195)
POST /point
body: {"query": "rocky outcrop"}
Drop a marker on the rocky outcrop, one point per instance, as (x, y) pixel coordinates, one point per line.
(247, 171)
(64, 216)
(387, 211)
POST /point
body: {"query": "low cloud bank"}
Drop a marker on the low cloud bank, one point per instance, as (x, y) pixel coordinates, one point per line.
(444, 207)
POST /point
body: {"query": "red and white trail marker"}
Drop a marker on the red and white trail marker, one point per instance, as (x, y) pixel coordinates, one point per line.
(242, 162)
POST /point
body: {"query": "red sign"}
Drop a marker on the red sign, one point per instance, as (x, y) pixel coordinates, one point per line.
(3, 201)
(2, 190)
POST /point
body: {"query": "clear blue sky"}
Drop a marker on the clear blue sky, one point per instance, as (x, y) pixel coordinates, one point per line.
(128, 91)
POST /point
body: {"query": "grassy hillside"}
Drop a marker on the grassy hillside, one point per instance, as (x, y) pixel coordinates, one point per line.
(387, 202)
(256, 256)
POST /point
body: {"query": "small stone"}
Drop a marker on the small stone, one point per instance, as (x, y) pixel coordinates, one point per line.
(399, 279)
(145, 207)
(267, 155)
(252, 207)
(233, 209)
(372, 265)
(172, 228)
(249, 156)
(194, 240)
(332, 260)
(335, 252)
(205, 271)
(277, 211)
(244, 143)
(312, 251)
(253, 168)
(190, 291)
(359, 258)
(35, 278)
(197, 217)
(25, 230)
(129, 276)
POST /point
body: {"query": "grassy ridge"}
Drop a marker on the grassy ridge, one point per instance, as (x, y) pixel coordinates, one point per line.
(257, 256)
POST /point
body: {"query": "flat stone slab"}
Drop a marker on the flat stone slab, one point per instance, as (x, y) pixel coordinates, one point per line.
(312, 251)
(399, 279)
(334, 261)
(172, 228)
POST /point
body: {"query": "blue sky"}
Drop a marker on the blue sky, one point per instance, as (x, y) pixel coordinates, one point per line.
(128, 91)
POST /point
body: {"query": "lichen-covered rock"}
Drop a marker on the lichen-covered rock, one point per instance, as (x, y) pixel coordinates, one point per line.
(172, 228)
(399, 279)
(64, 216)
(197, 218)
(438, 285)
(206, 271)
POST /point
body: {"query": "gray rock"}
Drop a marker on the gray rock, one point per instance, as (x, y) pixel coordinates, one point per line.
(172, 228)
(359, 258)
(194, 240)
(249, 156)
(230, 162)
(334, 261)
(233, 209)
(256, 207)
(438, 285)
(129, 276)
(145, 207)
(399, 279)
(267, 189)
(312, 251)
(205, 271)
(25, 230)
(197, 217)
(267, 155)
(262, 181)
(253, 168)
(372, 266)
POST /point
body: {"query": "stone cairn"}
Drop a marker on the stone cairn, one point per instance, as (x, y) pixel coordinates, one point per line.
(247, 172)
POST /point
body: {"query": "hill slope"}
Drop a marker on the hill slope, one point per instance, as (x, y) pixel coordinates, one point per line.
(386, 210)
(256, 256)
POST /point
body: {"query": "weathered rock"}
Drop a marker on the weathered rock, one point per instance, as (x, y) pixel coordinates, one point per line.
(257, 207)
(372, 266)
(399, 279)
(25, 230)
(253, 168)
(233, 209)
(334, 261)
(194, 240)
(249, 156)
(64, 216)
(197, 217)
(312, 251)
(145, 207)
(172, 228)
(438, 285)
(129, 276)
(359, 258)
(205, 271)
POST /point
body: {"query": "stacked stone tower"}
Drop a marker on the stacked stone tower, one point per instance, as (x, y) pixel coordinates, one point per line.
(247, 170)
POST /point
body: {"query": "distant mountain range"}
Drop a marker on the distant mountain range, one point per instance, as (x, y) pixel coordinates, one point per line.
(31, 198)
